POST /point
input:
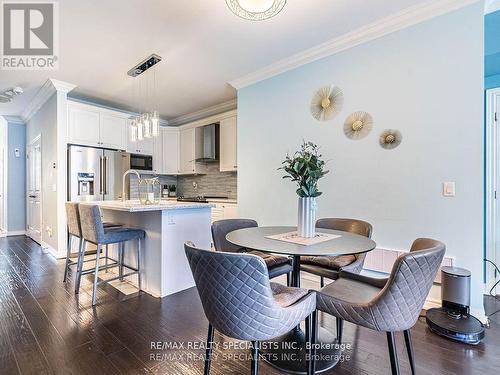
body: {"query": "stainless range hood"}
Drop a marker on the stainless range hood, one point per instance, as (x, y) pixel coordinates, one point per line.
(207, 140)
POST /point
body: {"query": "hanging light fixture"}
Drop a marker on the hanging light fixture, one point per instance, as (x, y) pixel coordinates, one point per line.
(147, 124)
(256, 10)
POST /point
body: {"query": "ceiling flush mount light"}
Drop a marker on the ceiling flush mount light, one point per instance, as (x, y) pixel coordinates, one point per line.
(256, 10)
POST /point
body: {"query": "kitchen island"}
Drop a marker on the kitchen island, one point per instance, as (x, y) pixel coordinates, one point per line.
(168, 226)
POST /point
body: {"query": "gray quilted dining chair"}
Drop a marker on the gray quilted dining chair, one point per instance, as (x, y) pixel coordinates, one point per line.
(330, 266)
(389, 305)
(277, 265)
(240, 302)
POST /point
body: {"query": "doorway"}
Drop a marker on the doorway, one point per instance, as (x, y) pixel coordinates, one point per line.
(33, 189)
(492, 187)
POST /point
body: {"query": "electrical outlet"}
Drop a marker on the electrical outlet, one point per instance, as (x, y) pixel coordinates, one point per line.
(170, 219)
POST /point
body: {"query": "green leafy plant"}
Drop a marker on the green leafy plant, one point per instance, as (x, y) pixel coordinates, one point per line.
(172, 188)
(305, 168)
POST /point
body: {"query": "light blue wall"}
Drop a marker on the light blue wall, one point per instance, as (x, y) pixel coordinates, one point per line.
(427, 81)
(492, 82)
(16, 178)
(492, 44)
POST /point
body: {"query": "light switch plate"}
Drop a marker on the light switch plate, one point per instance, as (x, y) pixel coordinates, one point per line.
(449, 189)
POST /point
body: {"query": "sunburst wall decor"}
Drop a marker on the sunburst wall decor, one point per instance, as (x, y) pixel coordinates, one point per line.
(358, 125)
(390, 139)
(327, 103)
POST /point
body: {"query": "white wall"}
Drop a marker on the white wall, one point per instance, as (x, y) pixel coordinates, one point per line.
(44, 122)
(426, 81)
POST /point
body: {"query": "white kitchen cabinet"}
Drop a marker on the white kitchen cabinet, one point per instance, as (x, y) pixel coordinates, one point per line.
(223, 211)
(170, 151)
(112, 131)
(90, 125)
(187, 151)
(84, 124)
(144, 147)
(228, 142)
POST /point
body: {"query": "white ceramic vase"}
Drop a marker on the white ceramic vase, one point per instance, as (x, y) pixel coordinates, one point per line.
(307, 217)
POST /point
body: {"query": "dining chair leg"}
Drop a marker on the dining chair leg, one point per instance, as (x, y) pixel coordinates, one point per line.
(288, 278)
(322, 282)
(314, 339)
(96, 275)
(255, 358)
(208, 358)
(106, 259)
(409, 348)
(120, 260)
(79, 265)
(340, 329)
(139, 264)
(393, 353)
(68, 254)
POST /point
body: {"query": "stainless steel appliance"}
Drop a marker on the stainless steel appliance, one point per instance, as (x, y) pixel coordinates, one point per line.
(95, 174)
(208, 137)
(141, 162)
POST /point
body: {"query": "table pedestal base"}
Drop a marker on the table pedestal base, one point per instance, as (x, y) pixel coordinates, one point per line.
(288, 352)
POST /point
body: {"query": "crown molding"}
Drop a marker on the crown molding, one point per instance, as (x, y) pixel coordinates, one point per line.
(491, 6)
(398, 21)
(50, 87)
(130, 114)
(201, 114)
(14, 119)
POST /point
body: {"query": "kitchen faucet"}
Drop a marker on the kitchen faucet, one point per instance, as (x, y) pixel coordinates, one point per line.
(127, 172)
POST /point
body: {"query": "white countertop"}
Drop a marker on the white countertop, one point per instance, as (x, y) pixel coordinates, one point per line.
(136, 206)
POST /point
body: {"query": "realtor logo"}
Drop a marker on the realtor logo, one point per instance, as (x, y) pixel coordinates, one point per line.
(29, 35)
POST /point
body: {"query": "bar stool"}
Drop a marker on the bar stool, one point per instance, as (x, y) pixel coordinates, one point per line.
(93, 231)
(75, 231)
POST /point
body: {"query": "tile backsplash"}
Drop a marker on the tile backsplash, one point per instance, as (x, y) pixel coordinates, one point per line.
(214, 183)
(134, 186)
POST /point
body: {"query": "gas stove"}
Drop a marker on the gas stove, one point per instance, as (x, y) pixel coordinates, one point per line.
(200, 198)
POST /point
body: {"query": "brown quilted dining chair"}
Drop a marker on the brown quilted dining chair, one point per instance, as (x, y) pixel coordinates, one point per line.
(330, 266)
(388, 305)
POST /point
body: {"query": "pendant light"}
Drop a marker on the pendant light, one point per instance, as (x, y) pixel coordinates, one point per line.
(256, 10)
(147, 123)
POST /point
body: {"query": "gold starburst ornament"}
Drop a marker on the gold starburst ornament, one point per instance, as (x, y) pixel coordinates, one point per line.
(390, 139)
(327, 103)
(358, 125)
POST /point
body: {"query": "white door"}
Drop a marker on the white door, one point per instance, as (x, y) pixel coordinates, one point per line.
(3, 183)
(187, 139)
(228, 140)
(34, 184)
(84, 126)
(113, 131)
(170, 152)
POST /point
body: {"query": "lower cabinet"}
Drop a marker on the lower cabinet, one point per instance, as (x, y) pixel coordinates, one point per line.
(223, 211)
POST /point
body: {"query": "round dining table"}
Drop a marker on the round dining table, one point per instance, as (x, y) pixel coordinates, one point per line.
(288, 352)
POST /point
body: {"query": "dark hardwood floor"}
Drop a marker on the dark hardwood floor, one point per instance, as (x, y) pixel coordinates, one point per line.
(46, 329)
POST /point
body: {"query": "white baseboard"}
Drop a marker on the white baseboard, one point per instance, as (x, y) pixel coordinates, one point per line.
(56, 254)
(16, 233)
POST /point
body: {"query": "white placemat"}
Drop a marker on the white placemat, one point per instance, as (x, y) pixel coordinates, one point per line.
(293, 237)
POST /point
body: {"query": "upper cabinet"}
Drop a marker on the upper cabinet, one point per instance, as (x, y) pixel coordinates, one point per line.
(169, 155)
(144, 147)
(94, 126)
(228, 145)
(187, 155)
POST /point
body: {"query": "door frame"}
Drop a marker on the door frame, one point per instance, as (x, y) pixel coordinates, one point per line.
(38, 138)
(4, 128)
(492, 197)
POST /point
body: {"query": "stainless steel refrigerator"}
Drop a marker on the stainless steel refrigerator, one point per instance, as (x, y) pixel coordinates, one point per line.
(95, 174)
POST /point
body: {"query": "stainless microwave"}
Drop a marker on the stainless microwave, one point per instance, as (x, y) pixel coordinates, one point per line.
(141, 162)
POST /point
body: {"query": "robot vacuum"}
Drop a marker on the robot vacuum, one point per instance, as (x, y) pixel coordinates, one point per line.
(453, 319)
